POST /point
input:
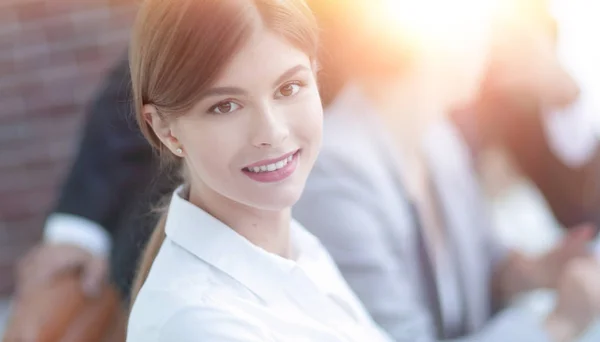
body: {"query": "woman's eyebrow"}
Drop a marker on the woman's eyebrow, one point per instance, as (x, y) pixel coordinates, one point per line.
(289, 73)
(220, 91)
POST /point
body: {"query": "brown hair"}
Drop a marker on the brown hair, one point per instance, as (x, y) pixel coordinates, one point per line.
(179, 47)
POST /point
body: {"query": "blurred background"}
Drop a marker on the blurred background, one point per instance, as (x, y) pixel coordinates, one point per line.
(54, 55)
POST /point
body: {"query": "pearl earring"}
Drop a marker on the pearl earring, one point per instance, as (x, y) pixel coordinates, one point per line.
(179, 151)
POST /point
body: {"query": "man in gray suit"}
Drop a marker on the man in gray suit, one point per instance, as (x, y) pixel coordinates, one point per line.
(436, 272)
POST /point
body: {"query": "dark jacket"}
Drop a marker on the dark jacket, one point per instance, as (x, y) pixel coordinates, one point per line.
(115, 177)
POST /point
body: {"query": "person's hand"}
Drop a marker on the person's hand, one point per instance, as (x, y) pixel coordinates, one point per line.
(47, 261)
(578, 302)
(549, 267)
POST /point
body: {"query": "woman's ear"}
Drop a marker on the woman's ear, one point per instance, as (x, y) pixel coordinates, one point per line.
(162, 129)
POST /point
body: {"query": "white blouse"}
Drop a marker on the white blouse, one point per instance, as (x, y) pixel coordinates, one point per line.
(208, 283)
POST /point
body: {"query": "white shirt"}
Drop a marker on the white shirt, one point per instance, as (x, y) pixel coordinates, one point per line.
(75, 230)
(208, 283)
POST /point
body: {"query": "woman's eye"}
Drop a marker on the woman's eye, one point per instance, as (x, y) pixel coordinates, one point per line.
(289, 89)
(225, 107)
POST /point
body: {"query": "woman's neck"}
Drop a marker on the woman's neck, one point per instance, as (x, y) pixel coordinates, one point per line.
(269, 230)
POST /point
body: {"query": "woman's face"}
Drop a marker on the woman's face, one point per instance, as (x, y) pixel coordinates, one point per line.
(255, 134)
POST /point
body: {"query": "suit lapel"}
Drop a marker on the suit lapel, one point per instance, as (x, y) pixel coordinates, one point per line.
(454, 182)
(384, 145)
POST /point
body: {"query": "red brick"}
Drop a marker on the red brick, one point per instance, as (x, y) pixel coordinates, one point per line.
(53, 55)
(119, 3)
(7, 16)
(33, 110)
(62, 7)
(87, 54)
(22, 230)
(59, 31)
(25, 204)
(29, 11)
(7, 279)
(123, 16)
(9, 254)
(8, 41)
(30, 180)
(7, 66)
(36, 151)
(28, 89)
(10, 4)
(40, 128)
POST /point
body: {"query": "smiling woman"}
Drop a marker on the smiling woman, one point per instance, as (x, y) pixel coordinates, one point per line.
(227, 88)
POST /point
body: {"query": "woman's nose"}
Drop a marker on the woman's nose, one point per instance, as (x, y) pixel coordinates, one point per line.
(270, 128)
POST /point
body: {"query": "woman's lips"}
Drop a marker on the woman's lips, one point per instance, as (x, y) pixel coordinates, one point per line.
(273, 170)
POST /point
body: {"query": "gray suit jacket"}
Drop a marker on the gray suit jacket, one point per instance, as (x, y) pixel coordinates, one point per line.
(354, 202)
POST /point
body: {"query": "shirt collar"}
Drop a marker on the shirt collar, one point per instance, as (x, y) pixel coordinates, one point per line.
(217, 244)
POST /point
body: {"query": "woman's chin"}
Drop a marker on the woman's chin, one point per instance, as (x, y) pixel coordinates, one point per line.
(278, 199)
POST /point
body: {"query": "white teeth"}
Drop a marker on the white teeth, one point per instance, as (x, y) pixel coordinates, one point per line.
(272, 167)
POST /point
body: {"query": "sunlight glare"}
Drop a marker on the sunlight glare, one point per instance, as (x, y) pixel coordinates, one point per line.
(437, 21)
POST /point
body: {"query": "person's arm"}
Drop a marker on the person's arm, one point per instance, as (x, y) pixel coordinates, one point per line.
(76, 230)
(345, 211)
(519, 273)
(514, 272)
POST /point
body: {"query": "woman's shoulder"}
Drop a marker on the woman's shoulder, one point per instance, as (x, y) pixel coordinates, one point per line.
(179, 278)
(181, 289)
(176, 271)
(215, 320)
(175, 316)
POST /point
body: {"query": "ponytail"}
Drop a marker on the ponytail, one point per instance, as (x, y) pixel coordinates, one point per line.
(148, 256)
(158, 234)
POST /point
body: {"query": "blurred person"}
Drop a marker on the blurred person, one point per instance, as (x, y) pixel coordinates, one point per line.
(228, 89)
(394, 195)
(553, 145)
(122, 163)
(104, 202)
(109, 190)
(567, 169)
(100, 214)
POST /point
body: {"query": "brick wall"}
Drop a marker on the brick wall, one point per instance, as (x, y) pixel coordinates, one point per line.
(53, 54)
